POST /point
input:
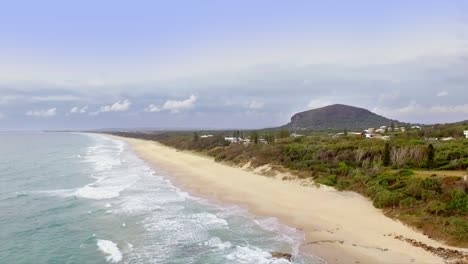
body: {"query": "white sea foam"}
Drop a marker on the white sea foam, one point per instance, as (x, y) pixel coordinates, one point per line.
(215, 242)
(110, 249)
(253, 255)
(284, 233)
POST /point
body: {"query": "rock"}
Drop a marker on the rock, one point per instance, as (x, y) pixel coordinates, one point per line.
(280, 255)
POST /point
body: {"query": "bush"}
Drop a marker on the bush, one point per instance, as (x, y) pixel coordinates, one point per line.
(436, 207)
(458, 227)
(458, 202)
(343, 184)
(408, 202)
(329, 180)
(431, 184)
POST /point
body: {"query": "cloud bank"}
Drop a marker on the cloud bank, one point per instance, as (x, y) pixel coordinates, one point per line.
(42, 113)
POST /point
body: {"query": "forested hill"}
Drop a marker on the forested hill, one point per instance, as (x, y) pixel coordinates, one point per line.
(337, 117)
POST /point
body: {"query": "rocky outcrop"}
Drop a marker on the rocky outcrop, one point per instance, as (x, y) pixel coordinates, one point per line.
(281, 255)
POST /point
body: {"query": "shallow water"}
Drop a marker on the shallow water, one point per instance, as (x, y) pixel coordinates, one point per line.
(85, 198)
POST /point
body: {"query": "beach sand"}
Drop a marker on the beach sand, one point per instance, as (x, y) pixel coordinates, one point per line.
(340, 227)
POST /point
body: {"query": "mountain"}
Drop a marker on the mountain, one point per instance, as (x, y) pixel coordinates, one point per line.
(337, 117)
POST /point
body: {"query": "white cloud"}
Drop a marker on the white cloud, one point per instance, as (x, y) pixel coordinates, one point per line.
(442, 93)
(455, 109)
(254, 105)
(74, 110)
(152, 108)
(414, 112)
(389, 96)
(116, 107)
(54, 98)
(177, 106)
(2, 116)
(319, 102)
(77, 110)
(42, 113)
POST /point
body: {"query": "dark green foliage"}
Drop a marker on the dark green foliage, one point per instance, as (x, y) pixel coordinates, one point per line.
(386, 155)
(254, 137)
(458, 202)
(430, 156)
(283, 133)
(195, 137)
(270, 138)
(329, 180)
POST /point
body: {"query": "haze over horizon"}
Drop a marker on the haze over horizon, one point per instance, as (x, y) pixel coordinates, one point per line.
(227, 64)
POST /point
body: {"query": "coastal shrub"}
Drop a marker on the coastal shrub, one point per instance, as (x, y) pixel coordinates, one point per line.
(220, 157)
(431, 184)
(386, 198)
(329, 180)
(458, 228)
(458, 202)
(385, 179)
(408, 202)
(343, 169)
(435, 207)
(343, 184)
(406, 173)
(429, 195)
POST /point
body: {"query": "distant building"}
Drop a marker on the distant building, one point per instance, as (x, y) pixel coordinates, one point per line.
(465, 133)
(370, 130)
(416, 127)
(296, 135)
(447, 138)
(206, 136)
(232, 139)
(377, 136)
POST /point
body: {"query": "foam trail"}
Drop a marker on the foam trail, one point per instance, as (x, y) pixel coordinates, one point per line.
(110, 249)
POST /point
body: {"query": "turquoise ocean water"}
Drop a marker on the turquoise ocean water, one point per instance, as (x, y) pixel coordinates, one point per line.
(85, 198)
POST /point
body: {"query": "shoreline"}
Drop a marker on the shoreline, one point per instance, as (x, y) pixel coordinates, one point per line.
(339, 227)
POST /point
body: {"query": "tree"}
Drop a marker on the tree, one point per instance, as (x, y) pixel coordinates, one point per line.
(195, 137)
(386, 155)
(284, 133)
(345, 132)
(270, 138)
(254, 137)
(430, 156)
(392, 126)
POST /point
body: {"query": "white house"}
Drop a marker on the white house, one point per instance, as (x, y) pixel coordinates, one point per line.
(206, 136)
(231, 139)
(296, 135)
(447, 138)
(416, 127)
(465, 133)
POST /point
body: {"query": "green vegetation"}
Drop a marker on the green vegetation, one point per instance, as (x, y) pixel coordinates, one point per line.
(393, 174)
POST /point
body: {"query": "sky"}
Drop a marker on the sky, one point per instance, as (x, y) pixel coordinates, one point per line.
(228, 64)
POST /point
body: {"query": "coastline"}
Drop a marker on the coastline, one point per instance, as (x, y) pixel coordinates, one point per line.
(340, 227)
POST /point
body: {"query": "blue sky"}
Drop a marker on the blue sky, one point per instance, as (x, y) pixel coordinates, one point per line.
(228, 64)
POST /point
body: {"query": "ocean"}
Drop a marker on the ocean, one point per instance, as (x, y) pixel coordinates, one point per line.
(87, 198)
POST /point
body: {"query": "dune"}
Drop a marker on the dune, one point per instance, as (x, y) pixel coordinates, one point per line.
(340, 227)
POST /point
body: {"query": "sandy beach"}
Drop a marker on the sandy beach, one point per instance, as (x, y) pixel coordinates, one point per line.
(340, 227)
